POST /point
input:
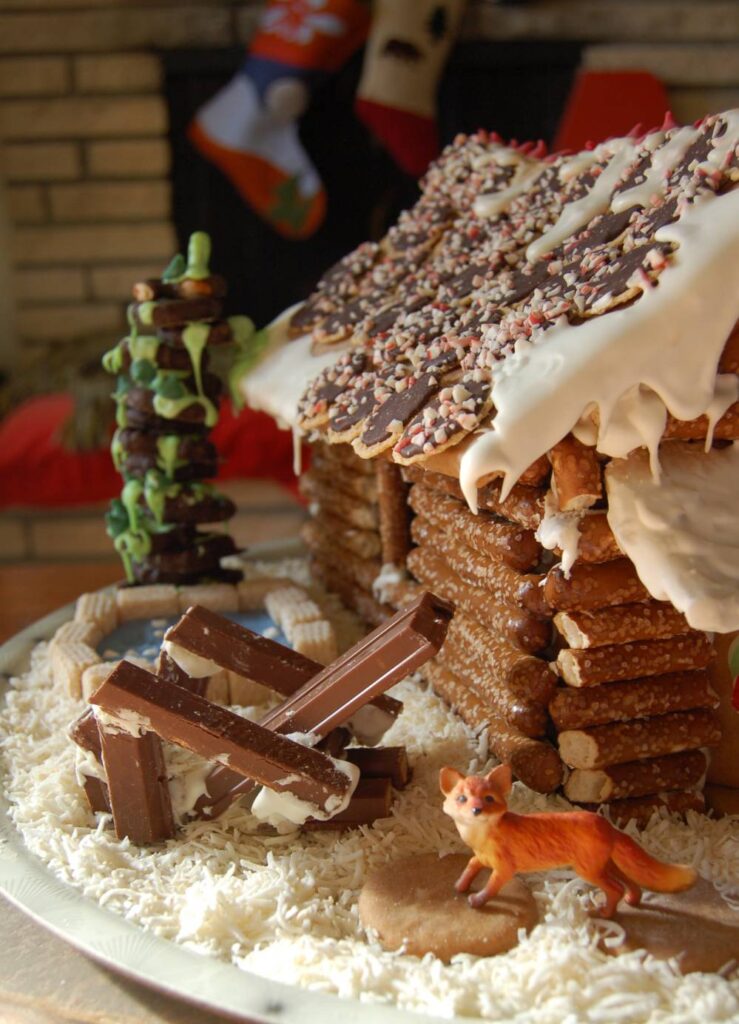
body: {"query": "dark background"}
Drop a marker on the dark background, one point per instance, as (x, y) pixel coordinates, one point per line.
(517, 88)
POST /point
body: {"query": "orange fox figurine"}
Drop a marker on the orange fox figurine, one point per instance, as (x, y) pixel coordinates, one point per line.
(509, 843)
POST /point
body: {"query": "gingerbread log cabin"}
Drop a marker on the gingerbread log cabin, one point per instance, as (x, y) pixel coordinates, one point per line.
(524, 398)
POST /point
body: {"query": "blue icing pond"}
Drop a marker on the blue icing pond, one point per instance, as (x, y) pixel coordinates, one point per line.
(143, 637)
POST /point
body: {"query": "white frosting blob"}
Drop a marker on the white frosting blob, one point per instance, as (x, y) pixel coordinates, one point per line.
(194, 665)
(390, 576)
(281, 808)
(276, 384)
(682, 532)
(560, 530)
(370, 724)
(542, 389)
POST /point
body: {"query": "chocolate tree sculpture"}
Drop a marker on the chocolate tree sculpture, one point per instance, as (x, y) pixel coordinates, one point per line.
(167, 403)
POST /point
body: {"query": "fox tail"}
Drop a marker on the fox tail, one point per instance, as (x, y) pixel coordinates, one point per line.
(647, 871)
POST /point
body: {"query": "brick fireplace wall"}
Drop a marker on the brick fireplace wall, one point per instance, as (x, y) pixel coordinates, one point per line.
(83, 124)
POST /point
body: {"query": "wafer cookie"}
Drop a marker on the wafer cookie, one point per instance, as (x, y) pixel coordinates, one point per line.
(637, 778)
(216, 597)
(74, 632)
(98, 607)
(156, 601)
(251, 593)
(68, 661)
(315, 639)
(535, 762)
(617, 743)
(580, 708)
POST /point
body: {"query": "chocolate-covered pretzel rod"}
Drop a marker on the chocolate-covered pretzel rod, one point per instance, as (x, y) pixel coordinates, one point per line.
(654, 620)
(381, 659)
(576, 475)
(574, 707)
(506, 585)
(594, 586)
(497, 539)
(521, 627)
(637, 778)
(629, 661)
(134, 700)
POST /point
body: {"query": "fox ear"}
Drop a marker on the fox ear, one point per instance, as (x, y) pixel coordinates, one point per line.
(448, 779)
(502, 778)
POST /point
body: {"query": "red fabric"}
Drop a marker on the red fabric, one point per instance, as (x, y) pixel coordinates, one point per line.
(36, 470)
(604, 104)
(411, 140)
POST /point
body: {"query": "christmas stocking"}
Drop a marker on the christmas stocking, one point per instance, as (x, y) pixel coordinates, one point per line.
(249, 128)
(406, 52)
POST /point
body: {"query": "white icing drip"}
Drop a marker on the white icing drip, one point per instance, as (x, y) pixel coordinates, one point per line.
(637, 418)
(86, 765)
(682, 533)
(495, 203)
(370, 724)
(724, 146)
(122, 721)
(284, 808)
(577, 164)
(560, 530)
(578, 214)
(664, 161)
(542, 389)
(390, 576)
(185, 790)
(194, 665)
(727, 392)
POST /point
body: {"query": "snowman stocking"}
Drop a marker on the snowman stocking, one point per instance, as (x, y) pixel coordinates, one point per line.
(406, 51)
(249, 129)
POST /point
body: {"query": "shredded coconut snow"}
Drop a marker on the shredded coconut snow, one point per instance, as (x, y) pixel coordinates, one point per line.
(285, 906)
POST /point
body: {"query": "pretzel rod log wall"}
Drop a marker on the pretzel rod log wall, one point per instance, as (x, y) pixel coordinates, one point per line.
(521, 343)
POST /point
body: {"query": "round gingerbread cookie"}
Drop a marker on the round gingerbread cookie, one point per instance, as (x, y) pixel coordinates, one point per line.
(413, 903)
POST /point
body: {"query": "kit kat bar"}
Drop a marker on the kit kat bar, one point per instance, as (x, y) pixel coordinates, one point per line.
(170, 671)
(85, 733)
(134, 698)
(380, 763)
(381, 659)
(372, 799)
(384, 657)
(217, 642)
(138, 789)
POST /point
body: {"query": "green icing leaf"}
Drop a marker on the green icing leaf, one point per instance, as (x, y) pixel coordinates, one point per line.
(142, 371)
(116, 518)
(169, 387)
(175, 269)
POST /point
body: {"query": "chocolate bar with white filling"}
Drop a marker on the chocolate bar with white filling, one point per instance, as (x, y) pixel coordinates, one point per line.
(372, 799)
(138, 790)
(393, 650)
(134, 701)
(202, 642)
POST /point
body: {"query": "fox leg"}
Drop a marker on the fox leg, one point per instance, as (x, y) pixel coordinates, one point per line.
(613, 888)
(633, 891)
(495, 883)
(470, 873)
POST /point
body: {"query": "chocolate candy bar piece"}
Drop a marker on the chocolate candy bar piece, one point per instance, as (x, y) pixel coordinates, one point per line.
(381, 763)
(371, 800)
(381, 659)
(136, 700)
(137, 784)
(203, 641)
